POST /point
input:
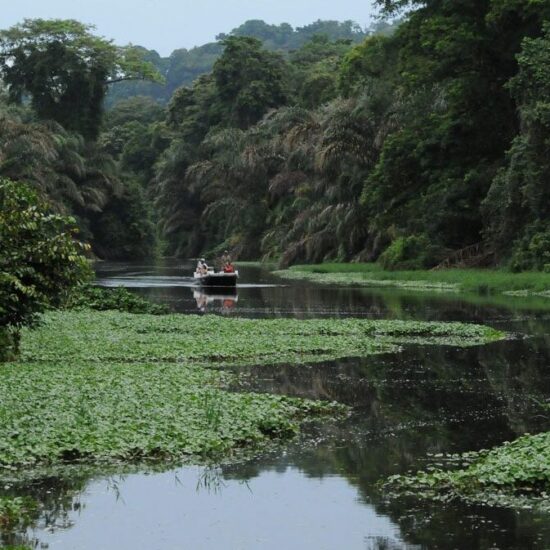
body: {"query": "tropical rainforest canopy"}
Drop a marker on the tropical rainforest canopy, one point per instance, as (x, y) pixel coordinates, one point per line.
(414, 143)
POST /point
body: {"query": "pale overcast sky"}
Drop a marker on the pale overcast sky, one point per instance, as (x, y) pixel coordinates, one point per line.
(165, 25)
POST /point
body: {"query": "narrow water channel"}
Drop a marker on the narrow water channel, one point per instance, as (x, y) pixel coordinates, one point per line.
(320, 491)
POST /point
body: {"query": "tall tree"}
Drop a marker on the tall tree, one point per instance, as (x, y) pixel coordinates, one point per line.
(65, 70)
(517, 207)
(249, 80)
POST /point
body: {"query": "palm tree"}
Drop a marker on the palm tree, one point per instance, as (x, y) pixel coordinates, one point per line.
(289, 187)
(74, 175)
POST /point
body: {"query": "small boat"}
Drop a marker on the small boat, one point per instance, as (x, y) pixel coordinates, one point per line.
(220, 279)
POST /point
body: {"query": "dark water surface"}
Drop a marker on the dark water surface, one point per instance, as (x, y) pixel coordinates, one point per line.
(320, 491)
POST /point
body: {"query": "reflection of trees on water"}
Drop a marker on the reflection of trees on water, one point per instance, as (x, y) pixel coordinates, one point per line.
(304, 301)
(426, 384)
(61, 494)
(423, 523)
(423, 400)
(518, 372)
(56, 496)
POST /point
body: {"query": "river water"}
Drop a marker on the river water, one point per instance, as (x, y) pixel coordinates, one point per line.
(320, 491)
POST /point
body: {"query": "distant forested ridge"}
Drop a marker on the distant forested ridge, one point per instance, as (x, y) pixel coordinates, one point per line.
(184, 66)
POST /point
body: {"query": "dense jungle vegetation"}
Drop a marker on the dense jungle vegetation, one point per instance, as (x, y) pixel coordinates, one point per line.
(412, 144)
(183, 66)
(406, 148)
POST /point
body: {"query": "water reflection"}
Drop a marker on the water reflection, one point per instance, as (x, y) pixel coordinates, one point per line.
(263, 295)
(278, 509)
(425, 400)
(220, 300)
(321, 490)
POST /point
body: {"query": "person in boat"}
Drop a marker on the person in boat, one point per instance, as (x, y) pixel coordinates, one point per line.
(202, 267)
(228, 268)
(226, 259)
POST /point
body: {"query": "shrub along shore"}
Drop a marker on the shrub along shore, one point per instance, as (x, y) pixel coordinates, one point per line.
(479, 281)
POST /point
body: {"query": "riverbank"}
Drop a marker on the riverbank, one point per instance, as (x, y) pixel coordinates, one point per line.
(479, 281)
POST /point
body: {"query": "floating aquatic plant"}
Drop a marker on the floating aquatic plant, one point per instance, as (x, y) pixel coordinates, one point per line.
(515, 474)
(109, 386)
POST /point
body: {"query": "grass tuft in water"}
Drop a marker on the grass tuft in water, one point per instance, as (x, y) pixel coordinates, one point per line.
(16, 513)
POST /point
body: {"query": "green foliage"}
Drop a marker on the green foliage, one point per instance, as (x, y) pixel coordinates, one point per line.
(9, 343)
(39, 259)
(141, 109)
(83, 179)
(65, 70)
(275, 35)
(284, 37)
(114, 386)
(104, 299)
(316, 65)
(481, 281)
(135, 135)
(201, 174)
(518, 204)
(178, 338)
(158, 91)
(183, 67)
(281, 186)
(436, 167)
(186, 66)
(249, 81)
(408, 253)
(124, 229)
(332, 152)
(501, 476)
(532, 252)
(60, 165)
(317, 164)
(374, 58)
(390, 7)
(326, 152)
(16, 513)
(134, 410)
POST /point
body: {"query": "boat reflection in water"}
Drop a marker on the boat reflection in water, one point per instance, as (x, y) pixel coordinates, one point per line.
(216, 299)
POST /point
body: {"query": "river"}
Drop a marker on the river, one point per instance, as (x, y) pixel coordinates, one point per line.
(320, 491)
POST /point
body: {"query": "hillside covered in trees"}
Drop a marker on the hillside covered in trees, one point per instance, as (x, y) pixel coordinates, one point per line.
(412, 145)
(409, 148)
(183, 66)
